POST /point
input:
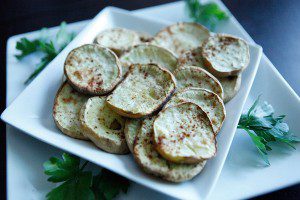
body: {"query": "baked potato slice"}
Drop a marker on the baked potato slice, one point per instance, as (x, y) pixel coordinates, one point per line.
(132, 127)
(118, 39)
(225, 55)
(192, 76)
(230, 84)
(67, 105)
(102, 126)
(209, 102)
(151, 161)
(143, 91)
(148, 53)
(184, 134)
(93, 69)
(181, 37)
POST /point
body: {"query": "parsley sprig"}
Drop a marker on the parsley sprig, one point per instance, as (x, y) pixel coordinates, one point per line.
(208, 14)
(264, 128)
(77, 184)
(49, 48)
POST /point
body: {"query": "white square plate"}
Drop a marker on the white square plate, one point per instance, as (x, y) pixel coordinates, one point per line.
(31, 112)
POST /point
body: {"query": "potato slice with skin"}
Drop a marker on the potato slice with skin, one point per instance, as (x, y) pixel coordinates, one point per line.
(143, 91)
(183, 134)
(102, 126)
(192, 76)
(230, 84)
(67, 105)
(151, 162)
(209, 102)
(147, 53)
(181, 37)
(132, 127)
(225, 55)
(118, 39)
(93, 69)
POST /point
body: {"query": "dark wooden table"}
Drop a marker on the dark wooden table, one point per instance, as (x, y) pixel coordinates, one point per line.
(274, 24)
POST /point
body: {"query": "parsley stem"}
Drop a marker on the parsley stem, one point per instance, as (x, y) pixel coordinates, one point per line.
(240, 127)
(35, 73)
(83, 166)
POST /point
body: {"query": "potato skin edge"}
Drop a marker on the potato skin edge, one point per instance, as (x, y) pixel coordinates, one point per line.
(63, 130)
(103, 143)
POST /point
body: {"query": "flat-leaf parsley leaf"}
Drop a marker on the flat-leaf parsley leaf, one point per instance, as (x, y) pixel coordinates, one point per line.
(208, 14)
(77, 184)
(50, 49)
(263, 128)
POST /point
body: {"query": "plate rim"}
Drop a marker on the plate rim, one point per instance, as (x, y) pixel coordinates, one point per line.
(5, 117)
(8, 101)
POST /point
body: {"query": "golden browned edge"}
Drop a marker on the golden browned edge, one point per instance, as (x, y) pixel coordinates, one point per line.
(208, 64)
(235, 89)
(63, 130)
(85, 90)
(103, 143)
(140, 115)
(197, 69)
(184, 160)
(167, 177)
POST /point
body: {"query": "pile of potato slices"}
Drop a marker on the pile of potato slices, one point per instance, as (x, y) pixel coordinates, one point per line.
(159, 97)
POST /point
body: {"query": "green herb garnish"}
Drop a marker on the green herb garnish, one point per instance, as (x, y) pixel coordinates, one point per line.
(208, 14)
(26, 47)
(49, 48)
(264, 128)
(79, 184)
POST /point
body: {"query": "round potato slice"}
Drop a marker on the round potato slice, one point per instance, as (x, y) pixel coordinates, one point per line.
(147, 53)
(143, 91)
(93, 69)
(183, 134)
(230, 84)
(67, 105)
(151, 162)
(102, 126)
(132, 127)
(118, 39)
(225, 55)
(192, 76)
(181, 37)
(209, 102)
